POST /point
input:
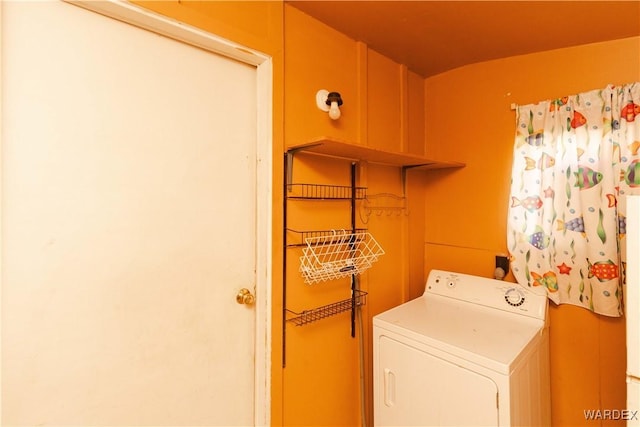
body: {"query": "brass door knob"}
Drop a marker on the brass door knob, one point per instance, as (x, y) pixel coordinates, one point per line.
(245, 296)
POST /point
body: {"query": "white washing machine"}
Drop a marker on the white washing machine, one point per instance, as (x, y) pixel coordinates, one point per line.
(470, 351)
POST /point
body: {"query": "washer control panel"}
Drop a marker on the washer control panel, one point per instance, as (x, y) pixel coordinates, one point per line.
(492, 293)
(514, 296)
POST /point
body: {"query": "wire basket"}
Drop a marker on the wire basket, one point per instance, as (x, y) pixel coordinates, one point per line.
(338, 254)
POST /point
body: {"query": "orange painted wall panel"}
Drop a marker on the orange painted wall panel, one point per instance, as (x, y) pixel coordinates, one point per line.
(384, 106)
(468, 117)
(254, 24)
(320, 379)
(386, 281)
(318, 57)
(415, 114)
(322, 356)
(375, 114)
(320, 382)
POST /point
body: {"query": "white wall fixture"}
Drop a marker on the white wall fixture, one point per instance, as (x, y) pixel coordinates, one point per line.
(329, 101)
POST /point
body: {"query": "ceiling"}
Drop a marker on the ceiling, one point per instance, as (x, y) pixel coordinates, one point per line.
(431, 37)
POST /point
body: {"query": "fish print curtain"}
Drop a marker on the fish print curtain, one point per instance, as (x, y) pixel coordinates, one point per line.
(575, 159)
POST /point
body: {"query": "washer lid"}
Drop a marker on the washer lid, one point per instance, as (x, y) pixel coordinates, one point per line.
(485, 336)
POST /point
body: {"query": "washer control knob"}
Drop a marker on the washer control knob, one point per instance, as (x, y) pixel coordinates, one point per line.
(514, 297)
(451, 282)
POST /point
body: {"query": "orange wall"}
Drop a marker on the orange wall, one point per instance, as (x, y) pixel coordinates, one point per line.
(383, 109)
(468, 118)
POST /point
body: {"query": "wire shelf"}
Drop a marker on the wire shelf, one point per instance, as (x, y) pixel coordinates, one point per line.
(319, 313)
(325, 192)
(297, 238)
(337, 255)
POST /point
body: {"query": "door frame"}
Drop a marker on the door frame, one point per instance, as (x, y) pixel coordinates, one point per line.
(151, 21)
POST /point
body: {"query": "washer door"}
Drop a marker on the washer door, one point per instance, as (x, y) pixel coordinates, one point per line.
(416, 388)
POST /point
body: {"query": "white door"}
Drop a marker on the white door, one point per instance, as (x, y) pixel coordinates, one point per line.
(128, 225)
(415, 388)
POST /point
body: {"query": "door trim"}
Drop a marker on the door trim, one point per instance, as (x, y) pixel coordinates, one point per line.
(148, 20)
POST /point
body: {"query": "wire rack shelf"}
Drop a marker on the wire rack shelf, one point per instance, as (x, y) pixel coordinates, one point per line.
(309, 316)
(298, 238)
(325, 192)
(339, 254)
